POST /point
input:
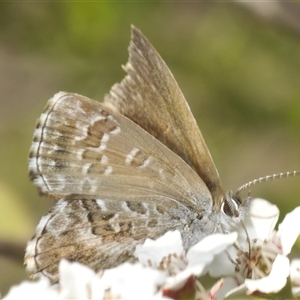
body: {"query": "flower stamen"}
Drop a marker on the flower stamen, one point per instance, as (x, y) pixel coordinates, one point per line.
(257, 262)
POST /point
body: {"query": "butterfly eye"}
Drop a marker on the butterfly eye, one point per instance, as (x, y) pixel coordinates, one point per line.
(230, 205)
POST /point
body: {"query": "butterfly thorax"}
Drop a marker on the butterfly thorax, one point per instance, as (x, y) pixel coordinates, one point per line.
(223, 218)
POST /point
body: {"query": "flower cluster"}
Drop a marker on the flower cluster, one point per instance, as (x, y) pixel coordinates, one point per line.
(253, 260)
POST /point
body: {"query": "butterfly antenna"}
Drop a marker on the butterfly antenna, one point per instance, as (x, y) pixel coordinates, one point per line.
(267, 178)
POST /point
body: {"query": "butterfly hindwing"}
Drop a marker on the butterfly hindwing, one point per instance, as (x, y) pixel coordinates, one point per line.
(98, 233)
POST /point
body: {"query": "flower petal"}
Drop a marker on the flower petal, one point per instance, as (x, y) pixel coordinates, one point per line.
(289, 230)
(132, 281)
(219, 263)
(35, 290)
(79, 281)
(231, 287)
(263, 217)
(295, 277)
(154, 251)
(204, 252)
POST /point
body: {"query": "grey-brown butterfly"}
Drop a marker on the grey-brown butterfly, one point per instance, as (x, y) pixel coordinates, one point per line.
(131, 168)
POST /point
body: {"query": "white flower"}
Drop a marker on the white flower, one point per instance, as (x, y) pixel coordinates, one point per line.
(34, 290)
(199, 258)
(258, 261)
(289, 230)
(126, 282)
(204, 251)
(295, 277)
(167, 253)
(79, 282)
(254, 260)
(159, 253)
(132, 281)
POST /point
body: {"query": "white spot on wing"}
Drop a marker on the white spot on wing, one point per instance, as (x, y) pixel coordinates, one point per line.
(83, 132)
(98, 118)
(32, 164)
(125, 207)
(145, 163)
(79, 153)
(101, 204)
(43, 185)
(131, 155)
(108, 170)
(37, 133)
(43, 118)
(104, 159)
(104, 140)
(86, 167)
(147, 208)
(116, 130)
(114, 222)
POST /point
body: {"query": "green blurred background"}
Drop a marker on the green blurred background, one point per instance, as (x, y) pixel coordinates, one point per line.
(238, 66)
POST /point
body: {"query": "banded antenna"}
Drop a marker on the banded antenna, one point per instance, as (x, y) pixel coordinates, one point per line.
(267, 178)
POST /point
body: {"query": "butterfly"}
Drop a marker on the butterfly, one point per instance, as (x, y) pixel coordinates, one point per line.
(130, 168)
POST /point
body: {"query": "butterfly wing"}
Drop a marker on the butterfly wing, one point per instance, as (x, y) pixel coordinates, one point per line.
(82, 148)
(98, 233)
(118, 185)
(150, 96)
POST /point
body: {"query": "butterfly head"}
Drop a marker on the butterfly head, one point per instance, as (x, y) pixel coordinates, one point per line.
(230, 206)
(233, 210)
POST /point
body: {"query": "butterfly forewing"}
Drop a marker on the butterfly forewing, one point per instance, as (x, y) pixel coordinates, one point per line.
(81, 147)
(150, 96)
(117, 184)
